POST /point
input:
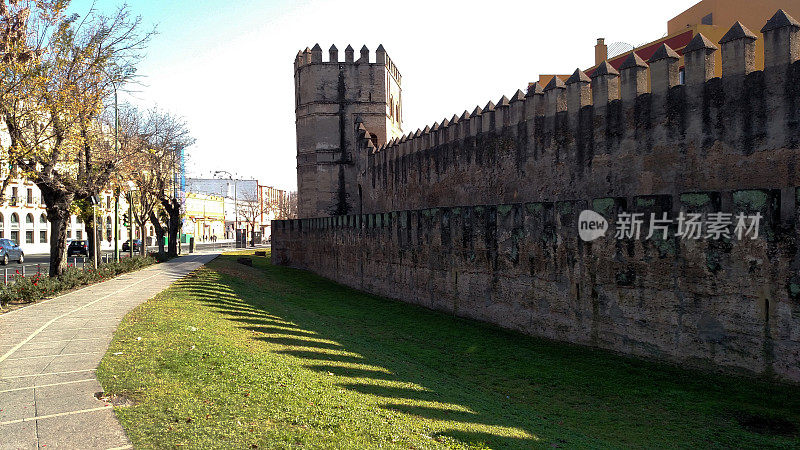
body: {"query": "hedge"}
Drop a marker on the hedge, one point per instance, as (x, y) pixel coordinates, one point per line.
(32, 288)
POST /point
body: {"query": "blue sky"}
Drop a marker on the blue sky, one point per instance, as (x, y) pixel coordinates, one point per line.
(227, 66)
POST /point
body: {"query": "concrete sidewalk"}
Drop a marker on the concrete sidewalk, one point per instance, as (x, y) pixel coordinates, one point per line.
(49, 352)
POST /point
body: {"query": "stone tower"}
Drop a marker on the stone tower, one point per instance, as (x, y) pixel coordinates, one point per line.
(331, 98)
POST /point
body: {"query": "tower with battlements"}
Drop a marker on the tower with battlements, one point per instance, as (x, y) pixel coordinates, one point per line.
(333, 99)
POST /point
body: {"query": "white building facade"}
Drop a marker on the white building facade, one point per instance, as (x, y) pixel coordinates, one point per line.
(23, 219)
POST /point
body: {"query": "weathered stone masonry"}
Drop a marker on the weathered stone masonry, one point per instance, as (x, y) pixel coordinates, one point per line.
(477, 215)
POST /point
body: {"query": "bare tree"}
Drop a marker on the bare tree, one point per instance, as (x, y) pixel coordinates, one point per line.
(287, 207)
(58, 73)
(142, 202)
(249, 208)
(138, 172)
(166, 137)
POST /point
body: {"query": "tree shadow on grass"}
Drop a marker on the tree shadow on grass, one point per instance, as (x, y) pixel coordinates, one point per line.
(327, 357)
(433, 412)
(352, 372)
(312, 355)
(392, 392)
(276, 329)
(472, 410)
(300, 342)
(490, 440)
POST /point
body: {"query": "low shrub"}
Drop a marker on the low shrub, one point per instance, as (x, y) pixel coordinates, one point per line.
(32, 288)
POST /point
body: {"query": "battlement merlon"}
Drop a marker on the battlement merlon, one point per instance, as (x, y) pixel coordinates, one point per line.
(314, 56)
(607, 85)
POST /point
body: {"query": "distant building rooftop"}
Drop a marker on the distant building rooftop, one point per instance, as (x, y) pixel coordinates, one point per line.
(712, 18)
(222, 186)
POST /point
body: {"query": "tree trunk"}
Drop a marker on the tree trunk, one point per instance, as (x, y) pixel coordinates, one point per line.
(92, 238)
(57, 205)
(172, 240)
(143, 236)
(173, 208)
(159, 229)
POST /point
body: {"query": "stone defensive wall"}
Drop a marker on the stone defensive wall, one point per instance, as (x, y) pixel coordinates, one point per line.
(477, 215)
(612, 134)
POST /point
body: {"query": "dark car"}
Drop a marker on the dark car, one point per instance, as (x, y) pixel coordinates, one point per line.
(78, 248)
(126, 246)
(10, 250)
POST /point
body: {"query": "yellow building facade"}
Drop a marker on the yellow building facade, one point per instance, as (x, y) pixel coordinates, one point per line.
(205, 217)
(714, 18)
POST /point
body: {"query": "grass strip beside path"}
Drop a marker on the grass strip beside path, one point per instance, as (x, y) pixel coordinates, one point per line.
(272, 357)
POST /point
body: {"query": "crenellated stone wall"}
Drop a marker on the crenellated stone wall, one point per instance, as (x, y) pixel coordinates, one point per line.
(613, 134)
(732, 304)
(477, 215)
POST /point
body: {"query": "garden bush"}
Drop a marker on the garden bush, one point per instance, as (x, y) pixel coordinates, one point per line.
(32, 288)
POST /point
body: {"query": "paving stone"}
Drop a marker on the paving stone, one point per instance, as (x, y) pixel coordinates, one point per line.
(63, 341)
(66, 398)
(8, 384)
(95, 429)
(20, 436)
(16, 405)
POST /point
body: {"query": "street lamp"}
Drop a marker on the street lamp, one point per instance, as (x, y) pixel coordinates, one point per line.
(116, 152)
(116, 191)
(177, 176)
(95, 243)
(132, 187)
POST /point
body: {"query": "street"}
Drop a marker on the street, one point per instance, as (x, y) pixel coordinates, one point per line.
(40, 262)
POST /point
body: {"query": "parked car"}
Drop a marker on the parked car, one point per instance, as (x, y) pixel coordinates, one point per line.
(10, 250)
(78, 247)
(137, 245)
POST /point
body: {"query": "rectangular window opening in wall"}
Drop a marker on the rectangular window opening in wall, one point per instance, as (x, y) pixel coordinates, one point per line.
(682, 76)
(29, 196)
(29, 237)
(78, 234)
(708, 19)
(14, 195)
(15, 237)
(42, 237)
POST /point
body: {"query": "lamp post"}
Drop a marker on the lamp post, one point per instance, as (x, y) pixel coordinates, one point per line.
(116, 224)
(95, 243)
(177, 177)
(132, 187)
(116, 190)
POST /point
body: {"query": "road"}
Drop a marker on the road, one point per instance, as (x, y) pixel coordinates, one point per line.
(44, 260)
(41, 261)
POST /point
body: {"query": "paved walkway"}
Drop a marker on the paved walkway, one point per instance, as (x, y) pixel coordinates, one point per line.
(49, 352)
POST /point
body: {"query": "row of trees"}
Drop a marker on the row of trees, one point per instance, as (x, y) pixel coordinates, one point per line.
(59, 75)
(250, 209)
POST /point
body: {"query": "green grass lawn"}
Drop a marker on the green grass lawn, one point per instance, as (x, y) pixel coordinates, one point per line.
(271, 357)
